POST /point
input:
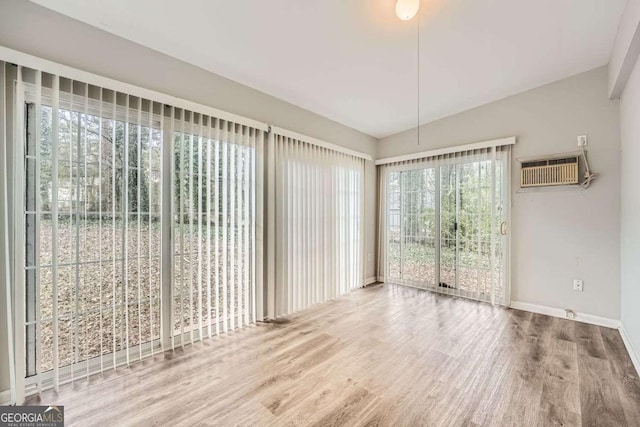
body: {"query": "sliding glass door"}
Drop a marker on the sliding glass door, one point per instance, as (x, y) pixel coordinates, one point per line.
(135, 228)
(446, 225)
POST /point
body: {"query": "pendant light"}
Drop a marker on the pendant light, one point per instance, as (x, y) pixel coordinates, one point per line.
(407, 9)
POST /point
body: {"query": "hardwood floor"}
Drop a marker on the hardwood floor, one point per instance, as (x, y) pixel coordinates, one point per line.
(383, 355)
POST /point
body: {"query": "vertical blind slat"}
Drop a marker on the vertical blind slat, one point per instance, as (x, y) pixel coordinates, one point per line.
(208, 235)
(38, 209)
(216, 235)
(200, 167)
(225, 184)
(139, 223)
(54, 228)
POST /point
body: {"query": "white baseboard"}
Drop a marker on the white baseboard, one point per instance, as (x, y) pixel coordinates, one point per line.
(370, 280)
(5, 397)
(381, 279)
(633, 354)
(559, 312)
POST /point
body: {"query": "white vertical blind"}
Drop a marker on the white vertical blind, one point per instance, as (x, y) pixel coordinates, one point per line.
(315, 203)
(213, 221)
(89, 171)
(102, 277)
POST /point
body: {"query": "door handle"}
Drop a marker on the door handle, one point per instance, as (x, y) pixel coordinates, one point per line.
(503, 228)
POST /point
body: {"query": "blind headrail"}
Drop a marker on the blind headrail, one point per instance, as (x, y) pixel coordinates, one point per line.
(448, 150)
(318, 142)
(50, 67)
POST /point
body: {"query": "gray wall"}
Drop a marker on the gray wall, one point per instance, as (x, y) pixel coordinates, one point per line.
(556, 235)
(32, 29)
(630, 208)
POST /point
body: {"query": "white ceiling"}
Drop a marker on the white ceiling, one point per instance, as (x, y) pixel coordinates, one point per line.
(354, 62)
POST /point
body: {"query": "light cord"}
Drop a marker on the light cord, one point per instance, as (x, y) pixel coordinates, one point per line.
(418, 94)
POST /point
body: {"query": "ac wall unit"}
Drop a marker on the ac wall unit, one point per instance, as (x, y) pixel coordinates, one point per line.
(547, 172)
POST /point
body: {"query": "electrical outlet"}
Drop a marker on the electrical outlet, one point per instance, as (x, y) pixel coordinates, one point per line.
(578, 285)
(582, 140)
(570, 313)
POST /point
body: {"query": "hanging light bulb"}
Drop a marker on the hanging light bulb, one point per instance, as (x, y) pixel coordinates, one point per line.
(407, 9)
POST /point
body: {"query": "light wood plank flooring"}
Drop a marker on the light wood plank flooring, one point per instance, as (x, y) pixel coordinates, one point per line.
(384, 355)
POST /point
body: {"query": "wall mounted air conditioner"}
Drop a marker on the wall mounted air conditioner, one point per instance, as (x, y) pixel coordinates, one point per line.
(548, 172)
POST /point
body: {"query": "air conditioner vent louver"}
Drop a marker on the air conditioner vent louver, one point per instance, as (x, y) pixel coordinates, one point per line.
(559, 171)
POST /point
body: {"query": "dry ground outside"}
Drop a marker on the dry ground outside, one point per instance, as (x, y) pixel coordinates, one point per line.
(92, 294)
(473, 269)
